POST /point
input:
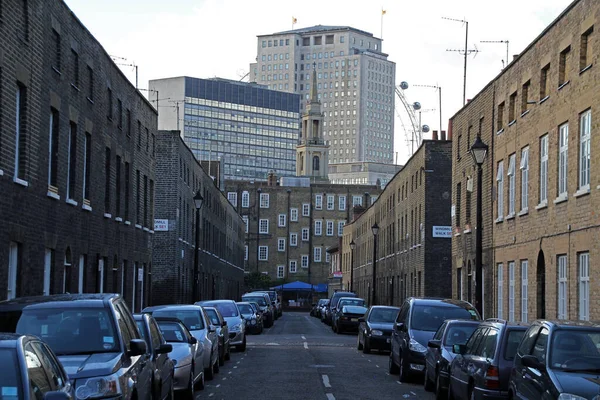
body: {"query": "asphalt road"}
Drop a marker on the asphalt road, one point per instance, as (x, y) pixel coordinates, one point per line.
(301, 358)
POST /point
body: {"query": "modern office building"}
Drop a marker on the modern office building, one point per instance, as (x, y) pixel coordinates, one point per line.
(250, 128)
(355, 81)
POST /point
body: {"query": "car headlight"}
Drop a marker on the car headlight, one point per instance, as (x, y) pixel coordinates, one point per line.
(252, 321)
(416, 346)
(105, 386)
(376, 332)
(569, 396)
(236, 327)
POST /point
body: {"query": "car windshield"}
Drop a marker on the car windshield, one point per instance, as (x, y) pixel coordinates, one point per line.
(214, 318)
(245, 308)
(430, 317)
(512, 343)
(354, 310)
(351, 302)
(226, 309)
(575, 350)
(10, 379)
(67, 331)
(459, 334)
(172, 331)
(260, 300)
(190, 318)
(383, 315)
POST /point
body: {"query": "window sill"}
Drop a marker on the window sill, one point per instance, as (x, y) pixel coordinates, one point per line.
(511, 123)
(72, 202)
(467, 231)
(582, 191)
(562, 85)
(510, 216)
(524, 113)
(107, 215)
(500, 131)
(86, 207)
(523, 212)
(119, 219)
(52, 194)
(561, 199)
(148, 230)
(152, 233)
(541, 206)
(21, 182)
(75, 87)
(90, 100)
(457, 234)
(586, 68)
(499, 220)
(544, 99)
(57, 71)
(138, 226)
(1, 172)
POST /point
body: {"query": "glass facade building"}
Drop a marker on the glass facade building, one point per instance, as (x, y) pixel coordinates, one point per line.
(248, 127)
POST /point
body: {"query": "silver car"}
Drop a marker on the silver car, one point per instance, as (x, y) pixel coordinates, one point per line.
(195, 319)
(222, 331)
(187, 354)
(235, 322)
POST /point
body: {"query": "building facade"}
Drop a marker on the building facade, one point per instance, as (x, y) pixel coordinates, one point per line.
(543, 218)
(363, 173)
(248, 127)
(220, 273)
(356, 85)
(77, 147)
(412, 252)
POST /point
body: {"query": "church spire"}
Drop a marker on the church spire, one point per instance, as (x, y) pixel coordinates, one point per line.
(314, 98)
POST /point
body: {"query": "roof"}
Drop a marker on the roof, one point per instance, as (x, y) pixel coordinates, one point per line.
(211, 302)
(182, 307)
(320, 28)
(93, 299)
(441, 301)
(571, 324)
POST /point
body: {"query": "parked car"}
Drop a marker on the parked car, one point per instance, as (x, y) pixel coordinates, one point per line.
(264, 302)
(187, 355)
(557, 359)
(345, 301)
(348, 317)
(235, 322)
(30, 370)
(375, 328)
(217, 320)
(318, 308)
(158, 349)
(260, 320)
(276, 302)
(94, 336)
(251, 316)
(417, 322)
(331, 307)
(440, 353)
(481, 368)
(197, 322)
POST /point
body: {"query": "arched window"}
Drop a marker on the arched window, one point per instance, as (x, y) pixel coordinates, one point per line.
(315, 163)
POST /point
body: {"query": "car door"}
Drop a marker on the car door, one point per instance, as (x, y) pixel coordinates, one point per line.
(459, 374)
(482, 357)
(533, 381)
(57, 377)
(433, 355)
(162, 363)
(399, 325)
(211, 334)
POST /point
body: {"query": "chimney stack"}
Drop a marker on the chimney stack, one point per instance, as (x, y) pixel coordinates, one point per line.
(271, 179)
(450, 130)
(515, 56)
(443, 135)
(434, 135)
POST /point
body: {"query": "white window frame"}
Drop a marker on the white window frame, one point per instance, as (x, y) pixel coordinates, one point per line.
(331, 202)
(280, 244)
(341, 225)
(305, 210)
(584, 286)
(264, 200)
(357, 201)
(317, 252)
(563, 159)
(342, 202)
(318, 227)
(304, 261)
(263, 253)
(232, 197)
(281, 221)
(563, 287)
(293, 239)
(263, 225)
(280, 271)
(245, 199)
(524, 179)
(293, 266)
(329, 230)
(245, 252)
(511, 291)
(500, 190)
(80, 281)
(327, 256)
(17, 131)
(293, 214)
(318, 201)
(47, 271)
(544, 169)
(524, 290)
(246, 222)
(305, 234)
(585, 128)
(511, 184)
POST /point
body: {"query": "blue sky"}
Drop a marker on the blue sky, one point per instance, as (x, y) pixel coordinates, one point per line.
(207, 38)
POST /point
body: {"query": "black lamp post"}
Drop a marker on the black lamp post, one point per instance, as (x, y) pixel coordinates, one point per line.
(479, 152)
(375, 229)
(352, 247)
(198, 200)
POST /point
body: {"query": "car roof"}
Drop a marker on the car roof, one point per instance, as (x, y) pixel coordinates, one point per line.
(244, 302)
(564, 324)
(351, 298)
(462, 322)
(502, 322)
(208, 302)
(440, 301)
(182, 307)
(59, 300)
(10, 340)
(385, 307)
(344, 294)
(168, 319)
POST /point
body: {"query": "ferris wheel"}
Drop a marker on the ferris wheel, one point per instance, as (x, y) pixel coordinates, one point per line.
(409, 119)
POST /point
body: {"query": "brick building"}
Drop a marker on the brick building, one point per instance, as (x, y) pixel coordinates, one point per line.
(542, 214)
(76, 161)
(220, 263)
(413, 242)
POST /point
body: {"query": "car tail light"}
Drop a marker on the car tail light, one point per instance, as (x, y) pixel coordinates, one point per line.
(492, 378)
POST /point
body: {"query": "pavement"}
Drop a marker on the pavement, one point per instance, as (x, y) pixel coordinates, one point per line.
(302, 358)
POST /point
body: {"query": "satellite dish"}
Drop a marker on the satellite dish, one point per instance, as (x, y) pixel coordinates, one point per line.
(425, 128)
(416, 105)
(404, 85)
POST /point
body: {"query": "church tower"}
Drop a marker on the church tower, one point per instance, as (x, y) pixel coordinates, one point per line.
(312, 153)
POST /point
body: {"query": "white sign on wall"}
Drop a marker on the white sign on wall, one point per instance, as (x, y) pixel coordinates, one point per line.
(442, 232)
(140, 274)
(161, 225)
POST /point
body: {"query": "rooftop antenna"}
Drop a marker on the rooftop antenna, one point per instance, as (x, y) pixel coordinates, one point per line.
(504, 62)
(132, 64)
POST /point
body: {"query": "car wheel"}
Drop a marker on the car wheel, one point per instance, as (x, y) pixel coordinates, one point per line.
(359, 345)
(189, 392)
(209, 371)
(242, 347)
(366, 346)
(427, 384)
(438, 387)
(392, 367)
(403, 373)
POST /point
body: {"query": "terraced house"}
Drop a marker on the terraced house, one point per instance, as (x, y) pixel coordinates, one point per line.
(541, 183)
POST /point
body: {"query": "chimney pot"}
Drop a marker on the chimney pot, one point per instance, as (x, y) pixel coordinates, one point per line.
(515, 56)
(443, 135)
(434, 135)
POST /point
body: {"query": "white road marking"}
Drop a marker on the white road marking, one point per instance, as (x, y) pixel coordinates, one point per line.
(413, 393)
(303, 337)
(306, 345)
(237, 362)
(219, 385)
(369, 360)
(235, 366)
(211, 395)
(229, 372)
(377, 365)
(330, 396)
(326, 381)
(399, 383)
(387, 373)
(223, 379)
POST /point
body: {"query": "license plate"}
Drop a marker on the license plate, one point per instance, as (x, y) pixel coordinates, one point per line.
(354, 320)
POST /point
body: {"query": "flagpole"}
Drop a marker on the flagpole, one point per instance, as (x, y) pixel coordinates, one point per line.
(381, 26)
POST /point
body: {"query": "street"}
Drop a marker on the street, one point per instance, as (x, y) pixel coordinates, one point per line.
(301, 358)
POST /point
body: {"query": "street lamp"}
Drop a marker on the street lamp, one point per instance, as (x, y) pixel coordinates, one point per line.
(479, 152)
(352, 247)
(198, 200)
(375, 230)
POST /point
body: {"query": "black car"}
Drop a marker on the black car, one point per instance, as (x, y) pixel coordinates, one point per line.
(252, 317)
(331, 307)
(337, 314)
(375, 328)
(158, 349)
(30, 370)
(417, 322)
(557, 359)
(348, 317)
(440, 353)
(94, 336)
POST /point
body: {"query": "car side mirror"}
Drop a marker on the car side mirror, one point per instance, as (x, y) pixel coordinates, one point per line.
(58, 395)
(137, 347)
(434, 344)
(164, 349)
(224, 324)
(211, 329)
(459, 348)
(193, 340)
(361, 319)
(532, 362)
(398, 326)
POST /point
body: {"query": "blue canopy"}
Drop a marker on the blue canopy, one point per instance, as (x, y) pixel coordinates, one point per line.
(301, 286)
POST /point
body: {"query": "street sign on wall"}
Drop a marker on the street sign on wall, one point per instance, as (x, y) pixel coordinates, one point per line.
(442, 232)
(161, 225)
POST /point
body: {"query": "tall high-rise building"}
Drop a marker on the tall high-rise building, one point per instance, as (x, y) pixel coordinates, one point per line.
(355, 80)
(247, 127)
